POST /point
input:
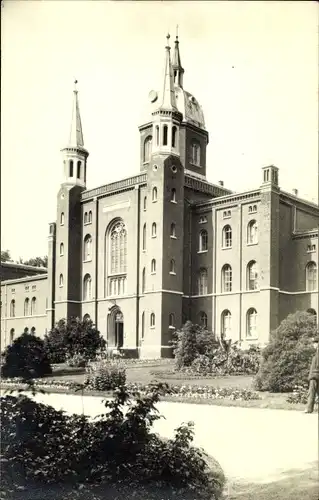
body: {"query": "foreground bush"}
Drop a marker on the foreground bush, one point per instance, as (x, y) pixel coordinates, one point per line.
(73, 337)
(189, 343)
(25, 357)
(287, 358)
(45, 445)
(105, 375)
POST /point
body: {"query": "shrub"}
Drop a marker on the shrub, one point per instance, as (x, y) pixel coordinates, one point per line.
(42, 444)
(26, 357)
(286, 359)
(73, 337)
(105, 375)
(77, 361)
(190, 342)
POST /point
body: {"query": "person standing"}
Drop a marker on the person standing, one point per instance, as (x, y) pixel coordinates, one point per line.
(313, 378)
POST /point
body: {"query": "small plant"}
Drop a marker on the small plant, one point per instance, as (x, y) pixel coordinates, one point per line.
(105, 375)
(26, 357)
(76, 361)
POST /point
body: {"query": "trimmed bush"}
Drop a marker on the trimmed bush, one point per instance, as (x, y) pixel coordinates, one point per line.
(73, 337)
(287, 358)
(105, 375)
(26, 357)
(44, 445)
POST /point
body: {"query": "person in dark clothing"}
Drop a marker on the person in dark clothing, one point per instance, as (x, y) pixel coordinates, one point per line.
(313, 378)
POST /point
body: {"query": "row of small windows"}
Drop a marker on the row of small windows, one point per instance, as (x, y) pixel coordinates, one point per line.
(311, 248)
(252, 278)
(154, 197)
(194, 155)
(154, 233)
(87, 219)
(251, 323)
(252, 209)
(26, 330)
(30, 307)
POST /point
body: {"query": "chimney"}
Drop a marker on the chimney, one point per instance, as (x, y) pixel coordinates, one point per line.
(295, 192)
(221, 183)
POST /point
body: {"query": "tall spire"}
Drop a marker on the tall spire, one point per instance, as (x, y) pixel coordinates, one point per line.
(76, 134)
(168, 101)
(177, 65)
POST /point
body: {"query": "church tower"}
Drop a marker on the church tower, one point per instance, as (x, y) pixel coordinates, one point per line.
(68, 234)
(162, 231)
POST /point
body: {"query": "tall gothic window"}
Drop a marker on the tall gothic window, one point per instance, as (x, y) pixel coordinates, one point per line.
(252, 276)
(78, 170)
(118, 259)
(251, 326)
(311, 276)
(147, 149)
(226, 323)
(12, 308)
(87, 287)
(33, 306)
(252, 232)
(144, 238)
(26, 307)
(227, 237)
(227, 278)
(174, 132)
(165, 135)
(87, 254)
(203, 240)
(202, 282)
(154, 230)
(143, 280)
(154, 194)
(195, 153)
(71, 168)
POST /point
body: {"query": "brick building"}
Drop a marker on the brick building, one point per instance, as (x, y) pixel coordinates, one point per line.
(142, 255)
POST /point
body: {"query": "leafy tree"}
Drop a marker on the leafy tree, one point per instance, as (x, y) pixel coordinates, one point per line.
(71, 337)
(286, 359)
(26, 357)
(190, 342)
(5, 256)
(36, 261)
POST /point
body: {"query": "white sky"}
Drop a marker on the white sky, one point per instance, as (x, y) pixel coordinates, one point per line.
(253, 66)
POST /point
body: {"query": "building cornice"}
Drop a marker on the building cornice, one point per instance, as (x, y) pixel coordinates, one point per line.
(294, 200)
(300, 235)
(26, 279)
(234, 199)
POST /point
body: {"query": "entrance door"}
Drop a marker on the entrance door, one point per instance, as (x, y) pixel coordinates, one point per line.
(119, 330)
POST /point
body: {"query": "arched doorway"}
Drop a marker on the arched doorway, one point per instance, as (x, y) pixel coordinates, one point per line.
(116, 328)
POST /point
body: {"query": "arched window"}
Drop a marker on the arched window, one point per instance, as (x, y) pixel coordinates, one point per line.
(86, 317)
(144, 238)
(71, 168)
(153, 266)
(203, 241)
(252, 232)
(87, 250)
(227, 236)
(33, 306)
(33, 330)
(154, 194)
(26, 330)
(153, 230)
(26, 307)
(87, 287)
(90, 216)
(145, 203)
(195, 154)
(202, 282)
(143, 280)
(227, 280)
(173, 230)
(147, 149)
(143, 324)
(62, 218)
(11, 335)
(173, 195)
(165, 135)
(152, 320)
(203, 319)
(171, 320)
(311, 276)
(174, 131)
(61, 280)
(12, 308)
(157, 135)
(225, 324)
(85, 218)
(252, 276)
(61, 249)
(118, 238)
(172, 268)
(78, 170)
(251, 330)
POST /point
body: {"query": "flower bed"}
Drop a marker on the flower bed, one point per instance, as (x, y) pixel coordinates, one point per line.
(185, 391)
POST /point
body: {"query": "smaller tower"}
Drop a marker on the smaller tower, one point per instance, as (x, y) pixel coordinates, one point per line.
(74, 154)
(178, 70)
(270, 176)
(167, 118)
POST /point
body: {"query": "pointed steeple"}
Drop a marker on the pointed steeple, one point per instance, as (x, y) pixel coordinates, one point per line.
(76, 134)
(168, 100)
(177, 65)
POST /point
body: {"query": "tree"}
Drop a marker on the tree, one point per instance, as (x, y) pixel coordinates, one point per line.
(26, 357)
(36, 261)
(5, 256)
(286, 359)
(73, 336)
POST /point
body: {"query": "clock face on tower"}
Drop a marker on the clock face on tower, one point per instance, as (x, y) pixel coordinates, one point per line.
(153, 96)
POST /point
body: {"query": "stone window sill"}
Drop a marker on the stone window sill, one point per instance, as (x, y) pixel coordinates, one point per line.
(173, 201)
(173, 274)
(173, 237)
(202, 251)
(253, 243)
(227, 248)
